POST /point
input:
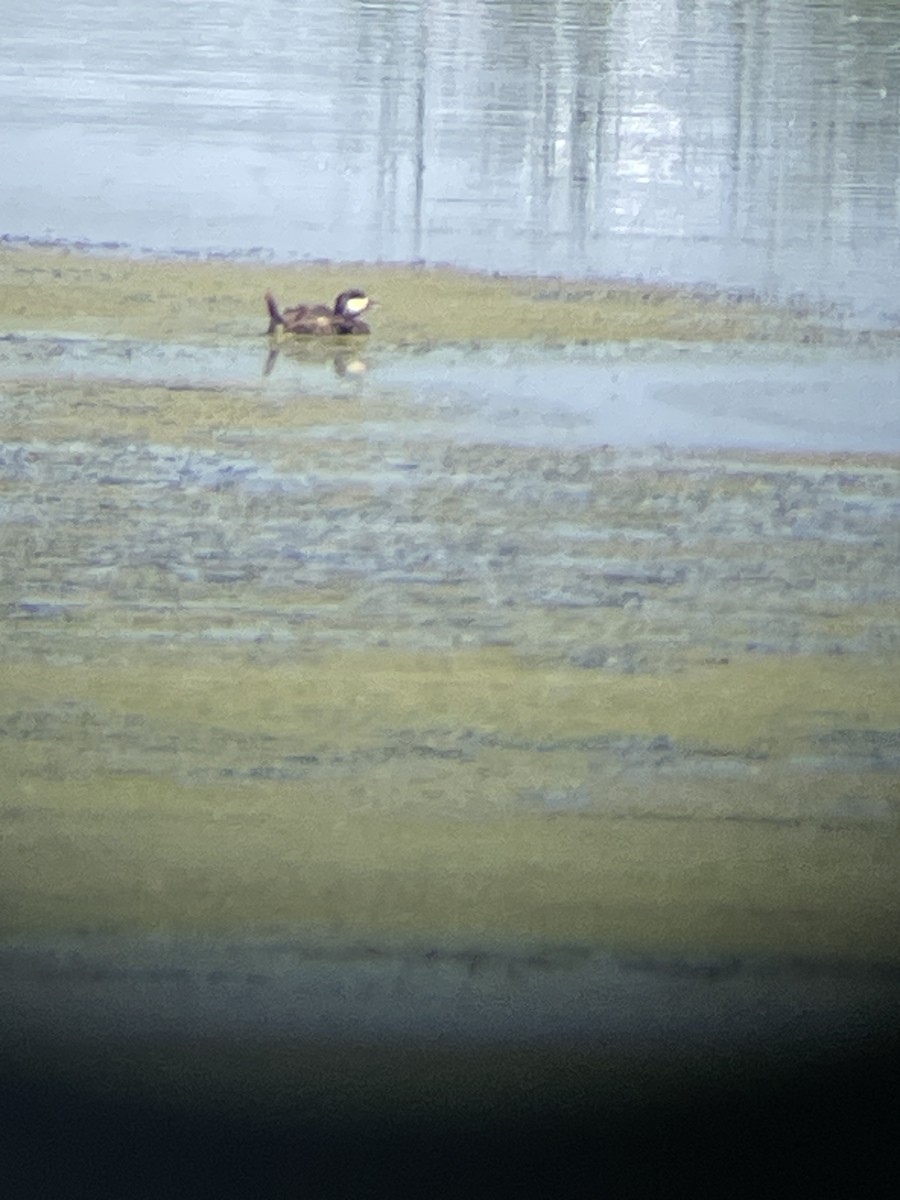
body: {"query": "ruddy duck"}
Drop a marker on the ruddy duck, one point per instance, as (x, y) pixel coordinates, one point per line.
(319, 318)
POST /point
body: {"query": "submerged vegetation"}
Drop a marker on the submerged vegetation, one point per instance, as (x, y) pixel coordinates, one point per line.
(264, 668)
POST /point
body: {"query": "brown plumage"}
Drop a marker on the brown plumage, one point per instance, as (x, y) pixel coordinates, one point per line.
(319, 318)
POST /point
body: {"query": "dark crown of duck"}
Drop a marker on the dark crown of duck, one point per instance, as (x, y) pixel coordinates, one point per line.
(319, 318)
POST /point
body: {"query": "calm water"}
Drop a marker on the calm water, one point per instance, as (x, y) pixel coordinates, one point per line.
(744, 144)
(797, 399)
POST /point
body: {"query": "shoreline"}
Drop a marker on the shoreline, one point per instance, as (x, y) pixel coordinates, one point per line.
(101, 289)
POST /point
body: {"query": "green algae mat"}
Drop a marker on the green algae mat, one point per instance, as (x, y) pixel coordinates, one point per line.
(258, 674)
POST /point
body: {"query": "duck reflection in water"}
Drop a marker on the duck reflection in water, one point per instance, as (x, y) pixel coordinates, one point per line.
(319, 321)
(346, 364)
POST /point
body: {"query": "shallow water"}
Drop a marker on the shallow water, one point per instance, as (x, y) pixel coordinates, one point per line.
(634, 396)
(382, 711)
(742, 145)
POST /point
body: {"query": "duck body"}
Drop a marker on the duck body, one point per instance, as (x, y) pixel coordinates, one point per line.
(319, 319)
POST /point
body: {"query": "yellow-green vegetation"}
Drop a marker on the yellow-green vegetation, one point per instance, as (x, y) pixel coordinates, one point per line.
(429, 798)
(506, 694)
(66, 291)
(85, 410)
(343, 699)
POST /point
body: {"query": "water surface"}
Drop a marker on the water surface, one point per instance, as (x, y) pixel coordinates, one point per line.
(632, 395)
(745, 145)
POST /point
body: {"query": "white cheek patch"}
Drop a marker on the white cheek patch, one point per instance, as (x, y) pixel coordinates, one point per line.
(357, 305)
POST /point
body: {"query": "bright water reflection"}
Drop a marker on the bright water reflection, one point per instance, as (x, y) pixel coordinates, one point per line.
(743, 144)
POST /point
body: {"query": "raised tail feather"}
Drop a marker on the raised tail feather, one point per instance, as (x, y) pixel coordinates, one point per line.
(275, 317)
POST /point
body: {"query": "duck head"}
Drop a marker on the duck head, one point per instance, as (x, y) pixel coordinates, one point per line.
(351, 304)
